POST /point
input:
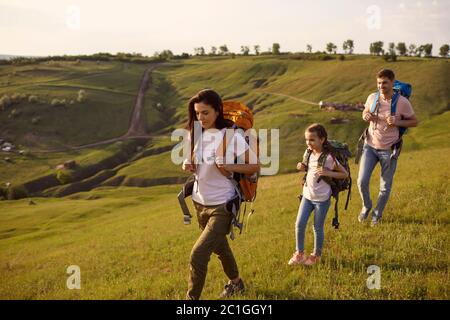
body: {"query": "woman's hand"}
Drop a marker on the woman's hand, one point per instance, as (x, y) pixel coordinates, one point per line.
(225, 168)
(189, 167)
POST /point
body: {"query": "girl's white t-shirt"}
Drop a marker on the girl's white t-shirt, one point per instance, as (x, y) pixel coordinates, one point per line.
(313, 190)
(211, 187)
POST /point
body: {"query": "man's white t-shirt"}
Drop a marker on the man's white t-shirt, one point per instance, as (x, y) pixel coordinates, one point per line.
(211, 187)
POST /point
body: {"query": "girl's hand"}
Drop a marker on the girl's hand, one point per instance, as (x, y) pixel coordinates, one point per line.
(301, 166)
(321, 172)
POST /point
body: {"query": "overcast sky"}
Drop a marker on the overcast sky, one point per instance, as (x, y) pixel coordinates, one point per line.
(53, 27)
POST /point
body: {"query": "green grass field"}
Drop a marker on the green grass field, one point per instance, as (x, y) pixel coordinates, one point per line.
(130, 243)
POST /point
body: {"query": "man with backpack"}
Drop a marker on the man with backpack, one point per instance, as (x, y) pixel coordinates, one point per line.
(389, 113)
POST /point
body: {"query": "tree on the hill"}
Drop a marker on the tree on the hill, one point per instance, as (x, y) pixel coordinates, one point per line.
(401, 48)
(412, 50)
(257, 49)
(376, 48)
(309, 48)
(428, 48)
(443, 50)
(331, 47)
(223, 50)
(167, 54)
(276, 48)
(420, 50)
(245, 50)
(348, 46)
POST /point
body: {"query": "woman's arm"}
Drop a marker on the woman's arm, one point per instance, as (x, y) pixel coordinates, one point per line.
(187, 166)
(246, 168)
(241, 168)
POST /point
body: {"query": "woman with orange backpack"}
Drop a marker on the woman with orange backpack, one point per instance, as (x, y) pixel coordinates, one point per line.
(213, 189)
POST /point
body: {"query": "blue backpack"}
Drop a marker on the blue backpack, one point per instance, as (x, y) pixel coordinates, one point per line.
(400, 88)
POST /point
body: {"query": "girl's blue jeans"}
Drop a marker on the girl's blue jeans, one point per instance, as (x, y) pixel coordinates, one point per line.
(320, 212)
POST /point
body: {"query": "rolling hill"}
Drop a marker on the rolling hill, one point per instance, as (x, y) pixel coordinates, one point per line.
(130, 242)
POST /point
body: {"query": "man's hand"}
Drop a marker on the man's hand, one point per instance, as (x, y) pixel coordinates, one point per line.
(391, 120)
(369, 117)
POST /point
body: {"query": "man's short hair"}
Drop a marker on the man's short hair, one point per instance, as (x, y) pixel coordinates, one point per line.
(386, 73)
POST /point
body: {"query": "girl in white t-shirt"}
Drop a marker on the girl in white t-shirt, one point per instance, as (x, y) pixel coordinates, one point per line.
(316, 193)
(213, 188)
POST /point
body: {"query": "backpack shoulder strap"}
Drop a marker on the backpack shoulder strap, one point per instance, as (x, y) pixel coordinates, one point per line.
(375, 102)
(323, 159)
(221, 152)
(306, 158)
(394, 101)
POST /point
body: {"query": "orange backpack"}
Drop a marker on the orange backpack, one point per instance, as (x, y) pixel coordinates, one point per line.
(242, 118)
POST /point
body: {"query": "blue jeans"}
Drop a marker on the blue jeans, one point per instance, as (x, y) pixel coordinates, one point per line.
(304, 211)
(369, 159)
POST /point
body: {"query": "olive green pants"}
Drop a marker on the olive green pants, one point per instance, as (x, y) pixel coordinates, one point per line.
(215, 222)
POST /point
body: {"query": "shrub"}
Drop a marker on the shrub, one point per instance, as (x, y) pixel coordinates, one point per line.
(81, 96)
(57, 102)
(17, 192)
(35, 120)
(3, 193)
(15, 97)
(64, 176)
(5, 102)
(32, 99)
(14, 113)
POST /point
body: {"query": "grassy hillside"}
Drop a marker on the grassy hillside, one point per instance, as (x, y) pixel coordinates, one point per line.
(130, 243)
(259, 81)
(281, 90)
(110, 87)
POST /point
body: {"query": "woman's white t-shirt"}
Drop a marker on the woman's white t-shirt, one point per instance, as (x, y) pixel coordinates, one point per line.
(313, 190)
(211, 187)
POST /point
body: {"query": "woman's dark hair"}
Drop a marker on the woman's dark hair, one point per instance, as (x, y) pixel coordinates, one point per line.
(321, 133)
(211, 98)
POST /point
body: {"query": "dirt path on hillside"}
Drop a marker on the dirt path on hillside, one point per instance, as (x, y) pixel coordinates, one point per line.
(138, 122)
(292, 97)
